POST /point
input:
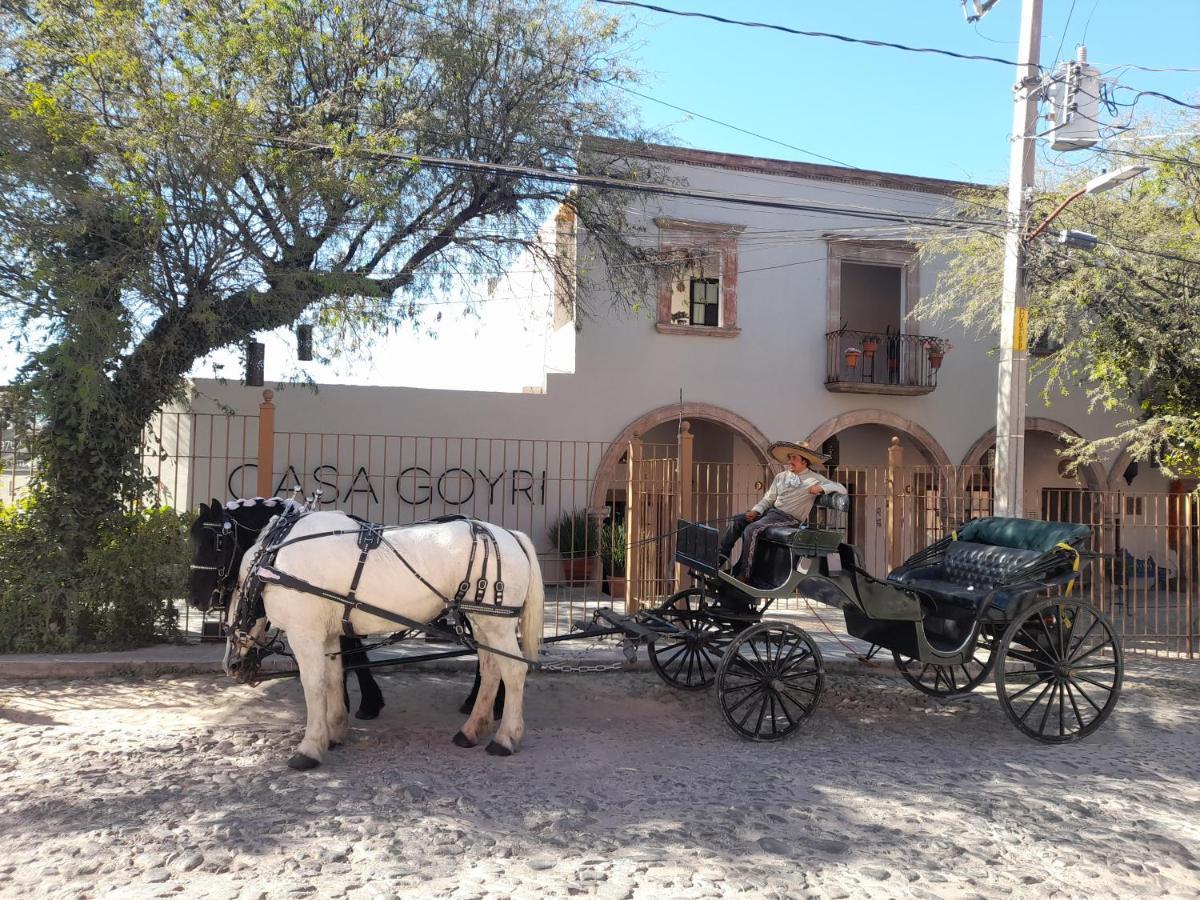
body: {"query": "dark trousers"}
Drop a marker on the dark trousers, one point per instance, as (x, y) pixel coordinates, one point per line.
(748, 531)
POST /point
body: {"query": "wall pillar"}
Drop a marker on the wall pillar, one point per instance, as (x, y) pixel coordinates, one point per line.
(685, 510)
(266, 444)
(634, 549)
(895, 504)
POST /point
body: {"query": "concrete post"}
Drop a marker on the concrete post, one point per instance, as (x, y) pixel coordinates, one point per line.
(1014, 319)
(266, 444)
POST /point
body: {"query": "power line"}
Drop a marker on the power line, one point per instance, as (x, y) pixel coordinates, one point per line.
(1066, 28)
(796, 31)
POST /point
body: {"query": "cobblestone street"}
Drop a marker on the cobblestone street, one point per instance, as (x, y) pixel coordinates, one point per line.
(624, 788)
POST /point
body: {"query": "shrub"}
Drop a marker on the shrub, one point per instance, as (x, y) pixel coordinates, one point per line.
(123, 596)
(575, 534)
(612, 549)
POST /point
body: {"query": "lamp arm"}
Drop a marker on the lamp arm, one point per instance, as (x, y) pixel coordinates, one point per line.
(1050, 218)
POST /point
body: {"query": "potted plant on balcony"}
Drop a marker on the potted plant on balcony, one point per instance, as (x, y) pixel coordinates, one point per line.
(612, 553)
(937, 348)
(852, 355)
(870, 343)
(576, 537)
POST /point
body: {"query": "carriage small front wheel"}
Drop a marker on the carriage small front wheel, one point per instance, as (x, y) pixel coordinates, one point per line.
(770, 681)
(687, 658)
(1059, 670)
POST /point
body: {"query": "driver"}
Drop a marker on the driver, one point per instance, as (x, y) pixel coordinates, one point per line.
(787, 502)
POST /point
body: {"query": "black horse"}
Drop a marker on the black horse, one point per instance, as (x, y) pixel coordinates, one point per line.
(215, 565)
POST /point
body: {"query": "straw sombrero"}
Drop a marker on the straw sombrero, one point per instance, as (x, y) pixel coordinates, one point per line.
(780, 450)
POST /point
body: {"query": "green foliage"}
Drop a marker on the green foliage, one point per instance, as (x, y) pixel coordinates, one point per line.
(612, 549)
(575, 534)
(121, 595)
(1127, 315)
(177, 176)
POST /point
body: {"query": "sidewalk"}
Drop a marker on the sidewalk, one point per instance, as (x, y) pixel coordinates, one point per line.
(840, 652)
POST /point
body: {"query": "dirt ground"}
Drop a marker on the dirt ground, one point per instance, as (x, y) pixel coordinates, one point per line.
(624, 788)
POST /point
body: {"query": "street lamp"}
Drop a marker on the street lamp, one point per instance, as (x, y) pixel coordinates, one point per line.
(1097, 185)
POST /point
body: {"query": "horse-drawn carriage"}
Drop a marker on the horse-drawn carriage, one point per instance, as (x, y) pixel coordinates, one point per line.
(994, 596)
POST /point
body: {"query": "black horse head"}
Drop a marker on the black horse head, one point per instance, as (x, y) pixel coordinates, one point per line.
(220, 537)
(213, 537)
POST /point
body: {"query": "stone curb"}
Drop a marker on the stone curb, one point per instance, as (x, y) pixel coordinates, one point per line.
(65, 668)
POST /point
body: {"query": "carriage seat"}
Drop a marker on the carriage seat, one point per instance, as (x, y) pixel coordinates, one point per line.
(814, 538)
(996, 554)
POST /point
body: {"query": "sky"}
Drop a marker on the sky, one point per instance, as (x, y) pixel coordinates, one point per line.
(869, 107)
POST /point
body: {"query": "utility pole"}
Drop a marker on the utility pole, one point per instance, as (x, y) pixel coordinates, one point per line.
(1009, 475)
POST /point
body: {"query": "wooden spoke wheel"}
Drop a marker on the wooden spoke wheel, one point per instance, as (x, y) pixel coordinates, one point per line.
(949, 681)
(688, 659)
(770, 681)
(1059, 670)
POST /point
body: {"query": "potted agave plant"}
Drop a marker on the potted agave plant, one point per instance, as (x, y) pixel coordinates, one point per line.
(612, 553)
(576, 537)
(937, 348)
(852, 355)
(870, 343)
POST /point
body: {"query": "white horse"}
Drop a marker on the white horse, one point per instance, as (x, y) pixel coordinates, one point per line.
(409, 574)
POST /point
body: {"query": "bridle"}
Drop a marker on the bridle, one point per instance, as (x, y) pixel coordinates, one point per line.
(225, 543)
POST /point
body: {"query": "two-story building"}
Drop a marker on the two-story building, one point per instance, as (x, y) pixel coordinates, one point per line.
(767, 321)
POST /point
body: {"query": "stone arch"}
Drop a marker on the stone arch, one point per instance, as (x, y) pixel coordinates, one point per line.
(742, 427)
(1094, 476)
(1118, 467)
(930, 449)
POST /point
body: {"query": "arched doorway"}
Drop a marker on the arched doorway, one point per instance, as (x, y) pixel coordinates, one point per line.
(1051, 490)
(720, 437)
(895, 509)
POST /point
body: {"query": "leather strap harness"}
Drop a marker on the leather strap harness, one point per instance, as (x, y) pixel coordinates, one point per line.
(370, 537)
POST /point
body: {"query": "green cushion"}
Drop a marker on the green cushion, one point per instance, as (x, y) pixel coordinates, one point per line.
(1022, 534)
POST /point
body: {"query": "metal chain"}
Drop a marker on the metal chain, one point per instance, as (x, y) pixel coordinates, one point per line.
(599, 667)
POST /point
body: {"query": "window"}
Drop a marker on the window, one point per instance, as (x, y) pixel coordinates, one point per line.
(706, 302)
(697, 278)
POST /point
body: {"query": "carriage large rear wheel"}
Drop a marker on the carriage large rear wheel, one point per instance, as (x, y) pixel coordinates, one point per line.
(770, 681)
(1059, 670)
(688, 657)
(949, 681)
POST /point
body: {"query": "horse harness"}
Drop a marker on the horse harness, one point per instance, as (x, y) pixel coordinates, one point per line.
(370, 537)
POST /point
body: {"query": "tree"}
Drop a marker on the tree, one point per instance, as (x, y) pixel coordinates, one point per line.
(1126, 314)
(176, 176)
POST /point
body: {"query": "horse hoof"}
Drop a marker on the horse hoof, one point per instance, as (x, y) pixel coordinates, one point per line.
(367, 714)
(461, 740)
(496, 749)
(302, 763)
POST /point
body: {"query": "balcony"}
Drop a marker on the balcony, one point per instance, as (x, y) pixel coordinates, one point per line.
(898, 364)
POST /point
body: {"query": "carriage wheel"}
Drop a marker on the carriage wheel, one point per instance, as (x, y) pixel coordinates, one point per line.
(1059, 671)
(949, 681)
(688, 658)
(770, 681)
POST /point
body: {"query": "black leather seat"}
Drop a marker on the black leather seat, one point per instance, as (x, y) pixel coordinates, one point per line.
(988, 554)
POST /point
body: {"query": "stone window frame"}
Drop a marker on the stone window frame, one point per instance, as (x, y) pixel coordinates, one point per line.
(897, 254)
(711, 237)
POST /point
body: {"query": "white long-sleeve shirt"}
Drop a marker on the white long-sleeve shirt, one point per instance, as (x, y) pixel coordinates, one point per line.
(789, 493)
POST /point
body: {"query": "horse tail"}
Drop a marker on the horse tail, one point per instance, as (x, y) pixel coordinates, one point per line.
(532, 615)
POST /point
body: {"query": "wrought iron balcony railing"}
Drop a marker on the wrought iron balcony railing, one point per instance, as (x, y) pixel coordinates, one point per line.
(863, 362)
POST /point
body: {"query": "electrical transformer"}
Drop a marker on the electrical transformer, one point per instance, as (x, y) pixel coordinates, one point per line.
(1074, 97)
